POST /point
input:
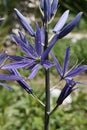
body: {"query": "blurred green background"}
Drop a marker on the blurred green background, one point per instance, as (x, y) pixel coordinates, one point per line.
(18, 111)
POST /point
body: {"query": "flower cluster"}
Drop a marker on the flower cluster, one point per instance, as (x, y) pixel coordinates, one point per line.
(36, 56)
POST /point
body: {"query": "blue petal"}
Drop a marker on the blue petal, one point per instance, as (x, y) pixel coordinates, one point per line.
(54, 6)
(6, 86)
(52, 43)
(47, 64)
(38, 45)
(66, 60)
(66, 91)
(16, 58)
(22, 82)
(77, 71)
(61, 22)
(24, 85)
(58, 67)
(9, 77)
(3, 56)
(26, 49)
(42, 36)
(21, 64)
(68, 28)
(42, 4)
(27, 44)
(34, 71)
(47, 9)
(24, 23)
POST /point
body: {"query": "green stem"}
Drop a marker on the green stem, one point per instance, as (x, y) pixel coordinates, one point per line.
(50, 113)
(36, 98)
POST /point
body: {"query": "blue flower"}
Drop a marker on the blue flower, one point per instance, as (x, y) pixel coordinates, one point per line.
(33, 59)
(49, 8)
(22, 82)
(4, 77)
(60, 33)
(66, 91)
(24, 23)
(10, 77)
(64, 72)
(3, 57)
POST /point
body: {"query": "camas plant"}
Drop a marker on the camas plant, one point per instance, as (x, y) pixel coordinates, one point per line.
(38, 55)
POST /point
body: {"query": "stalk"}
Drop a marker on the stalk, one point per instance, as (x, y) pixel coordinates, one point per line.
(47, 78)
(47, 84)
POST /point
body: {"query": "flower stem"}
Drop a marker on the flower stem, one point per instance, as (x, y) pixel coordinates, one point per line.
(36, 98)
(50, 113)
(47, 84)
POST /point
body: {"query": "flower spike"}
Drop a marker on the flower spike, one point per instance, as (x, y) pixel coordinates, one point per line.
(64, 73)
(66, 91)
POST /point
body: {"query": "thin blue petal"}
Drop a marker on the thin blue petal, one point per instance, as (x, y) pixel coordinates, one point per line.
(47, 64)
(52, 43)
(58, 67)
(16, 58)
(34, 71)
(77, 71)
(6, 86)
(38, 45)
(27, 44)
(3, 56)
(66, 60)
(24, 23)
(69, 27)
(54, 6)
(26, 49)
(66, 91)
(24, 85)
(42, 36)
(22, 82)
(61, 22)
(42, 4)
(20, 64)
(47, 9)
(9, 77)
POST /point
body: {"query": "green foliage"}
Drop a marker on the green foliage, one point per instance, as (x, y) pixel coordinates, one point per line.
(75, 6)
(18, 111)
(78, 50)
